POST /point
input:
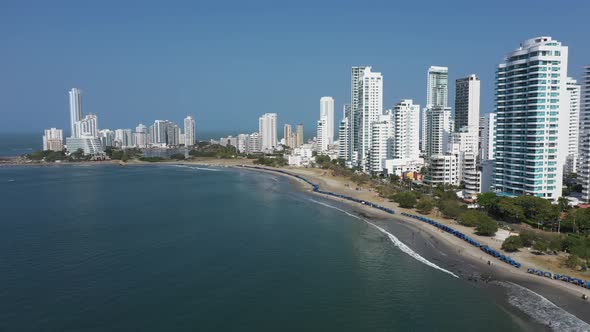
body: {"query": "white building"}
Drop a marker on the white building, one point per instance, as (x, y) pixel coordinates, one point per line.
(382, 137)
(467, 96)
(327, 110)
(486, 137)
(141, 139)
(401, 166)
(299, 138)
(124, 138)
(53, 140)
(87, 126)
(532, 120)
(267, 127)
(106, 137)
(439, 127)
(584, 148)
(75, 110)
(301, 156)
(90, 145)
(343, 141)
(406, 127)
(189, 131)
(442, 169)
(437, 94)
(322, 135)
(573, 90)
(254, 143)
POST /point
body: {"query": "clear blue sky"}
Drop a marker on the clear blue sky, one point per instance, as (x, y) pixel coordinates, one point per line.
(226, 62)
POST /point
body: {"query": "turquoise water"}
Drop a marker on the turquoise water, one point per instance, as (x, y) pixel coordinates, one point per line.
(152, 248)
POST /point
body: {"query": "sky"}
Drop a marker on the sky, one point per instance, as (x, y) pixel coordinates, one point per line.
(227, 62)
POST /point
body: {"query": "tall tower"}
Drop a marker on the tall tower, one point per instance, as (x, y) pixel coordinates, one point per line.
(366, 107)
(75, 110)
(573, 90)
(299, 139)
(584, 148)
(406, 124)
(327, 110)
(437, 95)
(189, 131)
(267, 127)
(532, 119)
(467, 94)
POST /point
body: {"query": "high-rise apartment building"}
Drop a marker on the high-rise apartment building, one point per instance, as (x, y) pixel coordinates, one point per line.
(141, 133)
(87, 126)
(437, 95)
(406, 127)
(486, 136)
(584, 148)
(439, 127)
(322, 134)
(53, 140)
(299, 139)
(267, 127)
(573, 95)
(189, 131)
(382, 142)
(532, 119)
(327, 110)
(75, 110)
(467, 96)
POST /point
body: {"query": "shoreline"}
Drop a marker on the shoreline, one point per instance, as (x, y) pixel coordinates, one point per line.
(468, 262)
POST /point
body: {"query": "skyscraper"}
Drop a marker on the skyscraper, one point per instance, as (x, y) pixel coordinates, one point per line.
(87, 127)
(573, 90)
(322, 134)
(532, 116)
(141, 140)
(437, 95)
(327, 110)
(53, 139)
(382, 138)
(366, 107)
(487, 137)
(584, 148)
(189, 131)
(467, 94)
(288, 136)
(299, 139)
(439, 127)
(267, 127)
(75, 110)
(406, 124)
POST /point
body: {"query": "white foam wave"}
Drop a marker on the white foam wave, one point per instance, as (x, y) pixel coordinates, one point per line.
(542, 310)
(402, 246)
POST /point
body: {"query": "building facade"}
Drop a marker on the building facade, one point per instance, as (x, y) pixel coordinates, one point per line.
(267, 127)
(75, 110)
(327, 110)
(584, 147)
(532, 120)
(53, 140)
(190, 131)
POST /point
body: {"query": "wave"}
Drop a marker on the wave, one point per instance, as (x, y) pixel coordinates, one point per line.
(198, 168)
(542, 310)
(402, 246)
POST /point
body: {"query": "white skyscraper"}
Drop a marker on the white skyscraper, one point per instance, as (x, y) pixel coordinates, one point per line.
(75, 110)
(366, 107)
(584, 148)
(573, 90)
(87, 127)
(53, 140)
(382, 137)
(141, 140)
(267, 127)
(437, 95)
(467, 95)
(189, 131)
(487, 137)
(327, 110)
(106, 137)
(532, 120)
(439, 127)
(406, 124)
(322, 134)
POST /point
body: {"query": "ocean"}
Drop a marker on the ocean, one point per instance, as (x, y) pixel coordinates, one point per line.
(182, 248)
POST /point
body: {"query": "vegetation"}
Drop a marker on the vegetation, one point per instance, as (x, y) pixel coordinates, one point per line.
(206, 149)
(406, 200)
(177, 156)
(425, 204)
(512, 243)
(450, 208)
(276, 161)
(535, 211)
(49, 156)
(152, 159)
(486, 227)
(473, 218)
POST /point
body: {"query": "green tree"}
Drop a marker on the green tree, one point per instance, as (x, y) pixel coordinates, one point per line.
(487, 201)
(450, 208)
(486, 228)
(425, 205)
(572, 261)
(540, 246)
(563, 203)
(473, 218)
(512, 243)
(177, 156)
(406, 200)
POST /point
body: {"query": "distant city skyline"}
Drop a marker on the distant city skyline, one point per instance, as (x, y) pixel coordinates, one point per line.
(210, 60)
